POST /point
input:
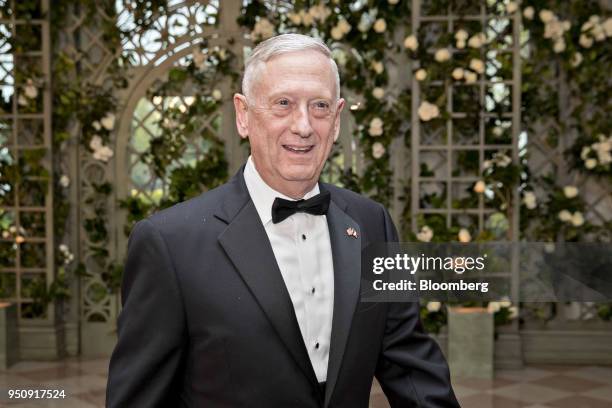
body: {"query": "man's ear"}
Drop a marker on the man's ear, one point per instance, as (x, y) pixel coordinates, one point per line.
(241, 107)
(339, 106)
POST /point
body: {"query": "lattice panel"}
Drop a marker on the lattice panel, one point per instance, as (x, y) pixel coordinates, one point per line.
(26, 216)
(482, 126)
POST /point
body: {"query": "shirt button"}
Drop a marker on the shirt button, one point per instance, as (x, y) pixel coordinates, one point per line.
(317, 345)
(303, 237)
(312, 291)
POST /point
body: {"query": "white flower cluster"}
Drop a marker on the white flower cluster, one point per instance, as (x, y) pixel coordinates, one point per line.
(107, 122)
(101, 152)
(411, 42)
(64, 181)
(320, 12)
(494, 307)
(576, 219)
(378, 150)
(263, 29)
(594, 30)
(529, 199)
(428, 111)
(376, 127)
(598, 153)
(433, 307)
(18, 234)
(464, 235)
(68, 256)
(425, 234)
(30, 91)
(499, 159)
(554, 29)
(340, 30)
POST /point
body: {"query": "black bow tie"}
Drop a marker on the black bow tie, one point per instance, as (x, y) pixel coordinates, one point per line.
(316, 205)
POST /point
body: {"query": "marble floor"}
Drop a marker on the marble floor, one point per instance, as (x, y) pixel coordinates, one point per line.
(552, 386)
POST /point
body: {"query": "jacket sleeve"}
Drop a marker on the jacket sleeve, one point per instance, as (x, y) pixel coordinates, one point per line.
(146, 360)
(411, 369)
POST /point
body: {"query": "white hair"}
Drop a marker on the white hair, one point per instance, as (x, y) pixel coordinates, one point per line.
(282, 44)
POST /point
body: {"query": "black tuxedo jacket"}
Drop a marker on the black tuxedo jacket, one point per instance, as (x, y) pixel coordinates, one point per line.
(208, 322)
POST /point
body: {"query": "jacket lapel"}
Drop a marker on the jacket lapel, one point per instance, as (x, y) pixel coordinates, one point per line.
(346, 250)
(247, 245)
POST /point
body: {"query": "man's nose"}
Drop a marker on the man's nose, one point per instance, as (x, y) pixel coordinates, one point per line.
(300, 122)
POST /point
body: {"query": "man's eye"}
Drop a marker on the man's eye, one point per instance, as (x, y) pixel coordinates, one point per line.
(283, 102)
(321, 105)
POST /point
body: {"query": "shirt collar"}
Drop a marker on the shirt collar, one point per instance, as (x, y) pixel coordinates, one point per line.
(263, 195)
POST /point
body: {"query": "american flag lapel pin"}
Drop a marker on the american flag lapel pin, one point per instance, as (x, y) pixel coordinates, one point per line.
(351, 232)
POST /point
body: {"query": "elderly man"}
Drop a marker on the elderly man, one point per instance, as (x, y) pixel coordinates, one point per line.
(248, 295)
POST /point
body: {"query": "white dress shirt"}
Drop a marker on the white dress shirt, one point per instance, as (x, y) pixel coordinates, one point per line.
(302, 249)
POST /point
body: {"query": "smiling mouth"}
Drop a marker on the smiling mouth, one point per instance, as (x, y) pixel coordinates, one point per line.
(298, 149)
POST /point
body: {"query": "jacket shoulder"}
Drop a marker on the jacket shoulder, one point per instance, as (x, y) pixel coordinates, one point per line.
(355, 200)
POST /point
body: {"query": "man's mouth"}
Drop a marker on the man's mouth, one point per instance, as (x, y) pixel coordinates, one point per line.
(298, 149)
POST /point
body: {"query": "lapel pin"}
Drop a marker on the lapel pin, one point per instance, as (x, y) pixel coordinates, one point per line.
(351, 232)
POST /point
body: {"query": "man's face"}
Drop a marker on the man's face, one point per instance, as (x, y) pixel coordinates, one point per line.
(291, 120)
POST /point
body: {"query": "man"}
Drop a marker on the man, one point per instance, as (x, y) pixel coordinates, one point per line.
(248, 295)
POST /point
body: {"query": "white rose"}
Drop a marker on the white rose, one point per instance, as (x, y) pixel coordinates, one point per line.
(376, 127)
(5, 234)
(477, 65)
(576, 59)
(433, 307)
(428, 111)
(570, 191)
(493, 307)
(339, 56)
(479, 187)
(470, 77)
(505, 302)
(528, 13)
(95, 143)
(585, 41)
(464, 235)
(529, 199)
(461, 35)
(63, 248)
(441, 55)
(108, 121)
(64, 181)
(378, 150)
(590, 163)
(393, 2)
(295, 18)
(577, 219)
(546, 15)
(22, 100)
(344, 26)
(263, 29)
(217, 95)
(30, 91)
(598, 32)
(477, 40)
(307, 18)
(378, 67)
(457, 73)
(378, 92)
(559, 46)
(564, 215)
(337, 33)
(411, 42)
(460, 45)
(380, 25)
(425, 234)
(511, 7)
(420, 75)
